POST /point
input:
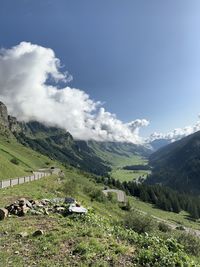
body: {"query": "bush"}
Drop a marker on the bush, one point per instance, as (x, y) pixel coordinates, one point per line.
(191, 243)
(180, 227)
(15, 161)
(138, 222)
(70, 187)
(97, 195)
(163, 227)
(125, 206)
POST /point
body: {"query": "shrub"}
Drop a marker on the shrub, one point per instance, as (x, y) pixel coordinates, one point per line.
(163, 227)
(98, 195)
(180, 227)
(15, 161)
(191, 243)
(138, 222)
(70, 187)
(125, 206)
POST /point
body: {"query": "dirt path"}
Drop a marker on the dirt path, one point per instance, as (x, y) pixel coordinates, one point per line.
(121, 197)
(173, 226)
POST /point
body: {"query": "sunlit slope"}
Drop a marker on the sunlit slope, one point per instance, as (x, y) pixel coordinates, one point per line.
(17, 160)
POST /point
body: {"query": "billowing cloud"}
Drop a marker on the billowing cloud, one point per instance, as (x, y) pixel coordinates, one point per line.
(25, 74)
(177, 133)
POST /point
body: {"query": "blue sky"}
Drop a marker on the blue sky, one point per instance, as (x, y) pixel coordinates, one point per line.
(140, 57)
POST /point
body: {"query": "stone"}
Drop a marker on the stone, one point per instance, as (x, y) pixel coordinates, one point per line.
(22, 201)
(25, 209)
(70, 200)
(23, 234)
(46, 211)
(3, 213)
(35, 212)
(38, 233)
(60, 209)
(14, 125)
(3, 115)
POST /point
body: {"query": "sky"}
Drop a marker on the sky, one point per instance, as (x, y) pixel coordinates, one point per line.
(139, 58)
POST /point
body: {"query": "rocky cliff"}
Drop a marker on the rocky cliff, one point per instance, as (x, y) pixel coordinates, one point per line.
(8, 124)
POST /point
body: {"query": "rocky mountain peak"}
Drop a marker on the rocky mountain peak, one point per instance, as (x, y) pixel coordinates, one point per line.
(3, 115)
(8, 123)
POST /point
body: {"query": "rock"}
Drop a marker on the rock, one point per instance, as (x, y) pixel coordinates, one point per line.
(76, 208)
(3, 213)
(60, 209)
(35, 212)
(57, 200)
(38, 233)
(28, 204)
(14, 125)
(25, 209)
(3, 115)
(46, 211)
(23, 234)
(70, 200)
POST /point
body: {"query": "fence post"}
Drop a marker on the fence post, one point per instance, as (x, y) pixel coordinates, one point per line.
(24, 179)
(18, 180)
(10, 182)
(1, 184)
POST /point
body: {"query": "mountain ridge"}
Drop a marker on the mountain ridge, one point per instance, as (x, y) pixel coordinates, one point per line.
(178, 164)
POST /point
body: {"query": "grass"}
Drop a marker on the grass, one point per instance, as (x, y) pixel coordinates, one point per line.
(97, 239)
(27, 158)
(181, 218)
(63, 236)
(118, 162)
(128, 175)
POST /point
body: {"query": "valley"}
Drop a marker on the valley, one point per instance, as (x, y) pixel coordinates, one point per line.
(126, 229)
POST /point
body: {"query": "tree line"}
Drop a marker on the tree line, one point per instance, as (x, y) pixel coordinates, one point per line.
(162, 197)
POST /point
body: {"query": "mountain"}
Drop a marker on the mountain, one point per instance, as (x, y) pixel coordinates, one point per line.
(159, 143)
(58, 144)
(178, 164)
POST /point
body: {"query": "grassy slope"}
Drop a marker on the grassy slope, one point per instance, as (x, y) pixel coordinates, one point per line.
(63, 236)
(28, 159)
(126, 175)
(31, 160)
(176, 218)
(95, 240)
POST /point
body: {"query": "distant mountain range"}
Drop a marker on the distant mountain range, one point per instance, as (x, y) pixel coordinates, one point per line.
(178, 164)
(159, 143)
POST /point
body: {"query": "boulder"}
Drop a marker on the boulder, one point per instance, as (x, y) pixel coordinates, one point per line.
(3, 213)
(38, 233)
(23, 234)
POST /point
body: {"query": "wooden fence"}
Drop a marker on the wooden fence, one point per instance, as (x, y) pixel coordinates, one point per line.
(22, 180)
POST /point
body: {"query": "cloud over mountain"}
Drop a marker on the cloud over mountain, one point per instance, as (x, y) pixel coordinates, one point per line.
(177, 133)
(25, 74)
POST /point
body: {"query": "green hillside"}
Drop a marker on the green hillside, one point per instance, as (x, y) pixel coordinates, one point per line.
(100, 238)
(178, 165)
(26, 160)
(60, 145)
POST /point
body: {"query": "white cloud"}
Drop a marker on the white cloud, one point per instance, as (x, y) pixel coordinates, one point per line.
(24, 74)
(177, 133)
